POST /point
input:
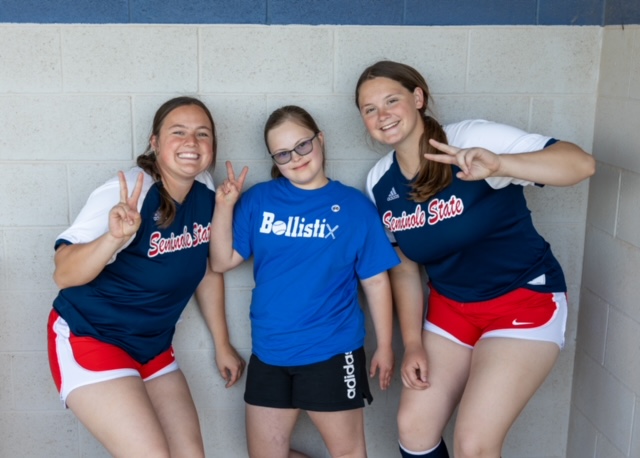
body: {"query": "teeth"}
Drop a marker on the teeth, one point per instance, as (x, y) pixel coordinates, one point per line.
(188, 155)
(389, 126)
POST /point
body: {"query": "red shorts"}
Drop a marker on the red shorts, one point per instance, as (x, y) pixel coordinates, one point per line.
(77, 361)
(520, 314)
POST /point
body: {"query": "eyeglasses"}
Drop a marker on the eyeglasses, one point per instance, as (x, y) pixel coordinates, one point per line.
(303, 148)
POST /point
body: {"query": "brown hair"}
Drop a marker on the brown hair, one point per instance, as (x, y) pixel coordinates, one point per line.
(294, 114)
(147, 160)
(432, 176)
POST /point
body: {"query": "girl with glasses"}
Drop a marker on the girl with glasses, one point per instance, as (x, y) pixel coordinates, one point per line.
(452, 200)
(312, 240)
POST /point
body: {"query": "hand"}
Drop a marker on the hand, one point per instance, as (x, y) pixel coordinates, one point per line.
(414, 368)
(231, 188)
(383, 360)
(124, 218)
(474, 163)
(230, 364)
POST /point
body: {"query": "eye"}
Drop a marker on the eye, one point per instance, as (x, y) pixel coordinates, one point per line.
(303, 146)
(203, 134)
(368, 110)
(392, 100)
(178, 132)
(282, 155)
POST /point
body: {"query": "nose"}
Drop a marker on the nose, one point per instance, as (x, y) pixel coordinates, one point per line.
(190, 139)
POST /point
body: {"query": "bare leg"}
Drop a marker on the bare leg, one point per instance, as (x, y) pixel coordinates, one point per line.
(174, 406)
(121, 416)
(342, 432)
(505, 373)
(269, 432)
(423, 414)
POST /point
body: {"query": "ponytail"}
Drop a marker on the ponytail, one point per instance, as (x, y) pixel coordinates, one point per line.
(432, 176)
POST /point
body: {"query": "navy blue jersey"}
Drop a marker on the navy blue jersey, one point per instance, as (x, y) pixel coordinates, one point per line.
(137, 299)
(476, 239)
(310, 248)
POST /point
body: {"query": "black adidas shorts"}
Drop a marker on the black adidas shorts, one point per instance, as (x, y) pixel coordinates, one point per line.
(339, 383)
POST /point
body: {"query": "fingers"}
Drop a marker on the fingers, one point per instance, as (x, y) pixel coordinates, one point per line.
(137, 190)
(243, 175)
(414, 376)
(230, 173)
(444, 147)
(124, 193)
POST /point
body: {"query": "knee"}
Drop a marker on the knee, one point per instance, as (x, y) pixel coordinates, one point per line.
(472, 445)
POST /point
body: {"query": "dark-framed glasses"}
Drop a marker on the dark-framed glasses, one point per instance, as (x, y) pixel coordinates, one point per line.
(302, 149)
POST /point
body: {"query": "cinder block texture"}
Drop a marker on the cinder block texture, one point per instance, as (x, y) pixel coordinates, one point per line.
(76, 105)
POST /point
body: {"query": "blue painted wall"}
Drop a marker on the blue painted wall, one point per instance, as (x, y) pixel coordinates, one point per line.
(315, 12)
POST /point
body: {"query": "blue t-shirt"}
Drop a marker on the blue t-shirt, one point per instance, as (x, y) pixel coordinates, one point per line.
(310, 247)
(137, 299)
(476, 239)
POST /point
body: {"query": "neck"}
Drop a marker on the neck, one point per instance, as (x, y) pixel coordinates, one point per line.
(177, 190)
(409, 163)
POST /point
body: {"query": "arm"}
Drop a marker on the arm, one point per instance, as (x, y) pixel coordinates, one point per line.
(210, 298)
(377, 290)
(222, 256)
(408, 295)
(80, 263)
(561, 164)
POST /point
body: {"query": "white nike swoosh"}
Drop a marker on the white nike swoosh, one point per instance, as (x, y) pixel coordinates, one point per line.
(520, 323)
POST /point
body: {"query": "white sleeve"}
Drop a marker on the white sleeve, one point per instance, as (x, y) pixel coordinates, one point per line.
(93, 219)
(498, 138)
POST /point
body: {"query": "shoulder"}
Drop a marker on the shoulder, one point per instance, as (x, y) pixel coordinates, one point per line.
(206, 179)
(377, 172)
(494, 136)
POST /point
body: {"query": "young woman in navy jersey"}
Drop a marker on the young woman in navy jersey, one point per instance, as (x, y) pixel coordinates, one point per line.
(126, 269)
(312, 241)
(452, 201)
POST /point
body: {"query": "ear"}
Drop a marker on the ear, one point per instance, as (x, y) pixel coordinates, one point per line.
(418, 95)
(321, 138)
(153, 141)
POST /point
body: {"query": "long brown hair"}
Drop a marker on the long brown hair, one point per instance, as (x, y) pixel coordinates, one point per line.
(147, 160)
(294, 114)
(432, 176)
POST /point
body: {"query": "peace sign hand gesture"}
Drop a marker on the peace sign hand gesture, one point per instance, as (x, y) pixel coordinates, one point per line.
(124, 218)
(474, 163)
(229, 191)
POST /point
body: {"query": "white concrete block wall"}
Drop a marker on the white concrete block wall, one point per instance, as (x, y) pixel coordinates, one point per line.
(76, 104)
(605, 414)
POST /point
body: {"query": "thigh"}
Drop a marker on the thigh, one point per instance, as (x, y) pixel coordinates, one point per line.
(267, 385)
(172, 401)
(121, 416)
(337, 384)
(269, 431)
(505, 373)
(342, 432)
(423, 414)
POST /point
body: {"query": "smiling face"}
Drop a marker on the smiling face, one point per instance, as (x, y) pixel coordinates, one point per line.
(305, 172)
(184, 145)
(390, 112)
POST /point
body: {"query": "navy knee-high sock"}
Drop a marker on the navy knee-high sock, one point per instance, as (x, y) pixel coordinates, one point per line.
(440, 451)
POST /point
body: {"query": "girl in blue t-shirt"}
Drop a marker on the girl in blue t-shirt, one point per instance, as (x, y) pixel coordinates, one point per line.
(313, 241)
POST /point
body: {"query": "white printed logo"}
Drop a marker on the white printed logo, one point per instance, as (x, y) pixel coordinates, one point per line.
(393, 195)
(297, 226)
(350, 378)
(521, 323)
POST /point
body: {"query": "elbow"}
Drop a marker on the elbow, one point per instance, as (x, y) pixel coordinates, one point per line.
(590, 166)
(217, 266)
(59, 280)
